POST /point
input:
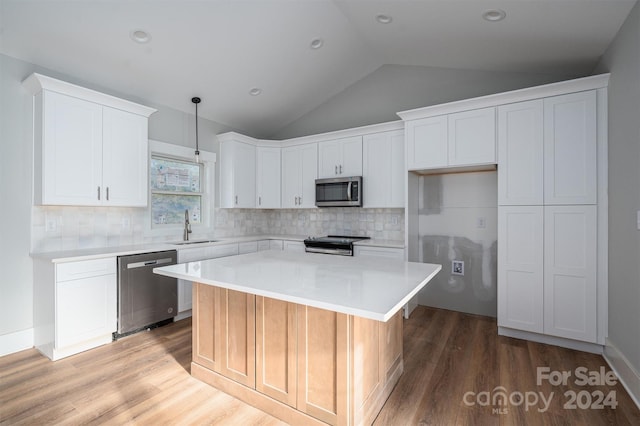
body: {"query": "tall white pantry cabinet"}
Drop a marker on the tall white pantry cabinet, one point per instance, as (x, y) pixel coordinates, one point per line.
(552, 253)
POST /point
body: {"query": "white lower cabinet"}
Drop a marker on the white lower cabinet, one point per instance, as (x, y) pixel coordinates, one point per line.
(293, 246)
(374, 251)
(193, 255)
(570, 284)
(263, 245)
(547, 270)
(75, 305)
(248, 247)
(276, 245)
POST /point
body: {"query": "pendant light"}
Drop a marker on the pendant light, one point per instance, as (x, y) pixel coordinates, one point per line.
(196, 101)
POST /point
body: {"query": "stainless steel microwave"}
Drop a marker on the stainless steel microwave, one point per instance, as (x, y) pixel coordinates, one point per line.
(339, 192)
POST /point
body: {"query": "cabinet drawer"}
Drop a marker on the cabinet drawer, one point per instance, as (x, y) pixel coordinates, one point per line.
(192, 255)
(222, 251)
(248, 247)
(263, 245)
(386, 252)
(84, 269)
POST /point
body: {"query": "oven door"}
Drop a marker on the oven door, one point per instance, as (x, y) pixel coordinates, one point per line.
(339, 192)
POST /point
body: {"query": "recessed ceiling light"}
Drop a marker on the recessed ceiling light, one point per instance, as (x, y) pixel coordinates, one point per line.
(494, 15)
(140, 36)
(255, 91)
(384, 19)
(316, 43)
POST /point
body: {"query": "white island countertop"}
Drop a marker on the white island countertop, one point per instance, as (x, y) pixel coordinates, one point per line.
(372, 288)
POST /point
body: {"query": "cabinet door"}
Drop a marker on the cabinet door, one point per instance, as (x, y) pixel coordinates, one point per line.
(124, 160)
(308, 175)
(329, 159)
(276, 349)
(267, 177)
(520, 268)
(351, 164)
(71, 151)
(248, 247)
(238, 336)
(85, 309)
(237, 175)
(323, 340)
(184, 295)
(472, 137)
(570, 284)
(207, 340)
(383, 172)
(570, 137)
(520, 153)
(291, 177)
(427, 143)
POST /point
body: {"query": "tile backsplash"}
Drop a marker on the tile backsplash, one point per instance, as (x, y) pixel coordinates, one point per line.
(57, 228)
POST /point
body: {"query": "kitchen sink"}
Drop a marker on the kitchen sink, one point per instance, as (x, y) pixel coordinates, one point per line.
(184, 243)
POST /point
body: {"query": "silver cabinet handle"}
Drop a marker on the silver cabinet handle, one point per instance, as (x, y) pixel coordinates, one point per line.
(349, 190)
(107, 193)
(296, 201)
(336, 170)
(98, 193)
(236, 200)
(299, 201)
(259, 201)
(340, 168)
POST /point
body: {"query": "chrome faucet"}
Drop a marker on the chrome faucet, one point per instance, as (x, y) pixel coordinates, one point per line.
(187, 226)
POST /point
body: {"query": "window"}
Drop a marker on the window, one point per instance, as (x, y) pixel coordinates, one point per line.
(178, 184)
(175, 186)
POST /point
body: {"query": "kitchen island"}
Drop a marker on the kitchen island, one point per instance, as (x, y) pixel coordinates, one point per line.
(307, 338)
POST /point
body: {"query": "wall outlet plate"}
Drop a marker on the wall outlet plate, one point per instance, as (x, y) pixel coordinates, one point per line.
(457, 267)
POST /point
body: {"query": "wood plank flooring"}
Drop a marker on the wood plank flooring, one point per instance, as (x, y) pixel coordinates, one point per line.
(144, 379)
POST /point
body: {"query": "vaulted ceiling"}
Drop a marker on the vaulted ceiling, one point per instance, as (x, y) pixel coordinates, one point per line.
(221, 49)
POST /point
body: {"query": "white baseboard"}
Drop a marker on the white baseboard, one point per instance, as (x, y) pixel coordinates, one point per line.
(593, 348)
(627, 374)
(182, 315)
(16, 342)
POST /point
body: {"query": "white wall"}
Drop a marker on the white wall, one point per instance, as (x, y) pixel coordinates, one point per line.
(392, 88)
(458, 220)
(622, 59)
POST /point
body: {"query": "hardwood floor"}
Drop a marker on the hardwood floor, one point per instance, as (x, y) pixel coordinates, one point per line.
(449, 356)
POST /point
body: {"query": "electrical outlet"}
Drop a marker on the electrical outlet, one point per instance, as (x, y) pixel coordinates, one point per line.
(481, 222)
(457, 267)
(394, 220)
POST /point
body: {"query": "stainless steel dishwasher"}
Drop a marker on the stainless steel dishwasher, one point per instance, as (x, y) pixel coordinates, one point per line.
(145, 300)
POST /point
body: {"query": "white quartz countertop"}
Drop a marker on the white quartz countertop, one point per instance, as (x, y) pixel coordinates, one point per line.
(371, 288)
(102, 252)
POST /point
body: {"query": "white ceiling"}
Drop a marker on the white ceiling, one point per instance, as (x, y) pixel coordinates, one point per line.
(220, 49)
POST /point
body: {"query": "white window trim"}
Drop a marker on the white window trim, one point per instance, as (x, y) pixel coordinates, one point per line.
(207, 220)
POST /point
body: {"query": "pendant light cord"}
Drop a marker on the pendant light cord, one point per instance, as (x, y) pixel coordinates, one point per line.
(196, 101)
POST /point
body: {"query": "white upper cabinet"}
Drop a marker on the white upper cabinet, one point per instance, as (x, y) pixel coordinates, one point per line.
(570, 149)
(299, 172)
(268, 177)
(520, 153)
(90, 149)
(124, 153)
(341, 157)
(383, 172)
(237, 174)
(427, 143)
(472, 137)
(460, 139)
(547, 151)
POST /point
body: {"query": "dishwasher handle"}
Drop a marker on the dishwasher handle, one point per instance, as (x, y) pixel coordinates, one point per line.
(149, 263)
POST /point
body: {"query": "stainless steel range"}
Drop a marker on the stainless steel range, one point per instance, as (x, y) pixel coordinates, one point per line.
(332, 244)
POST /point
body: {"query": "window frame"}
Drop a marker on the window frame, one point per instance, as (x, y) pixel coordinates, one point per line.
(207, 192)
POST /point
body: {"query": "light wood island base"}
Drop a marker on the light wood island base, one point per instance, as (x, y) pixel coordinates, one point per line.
(301, 364)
